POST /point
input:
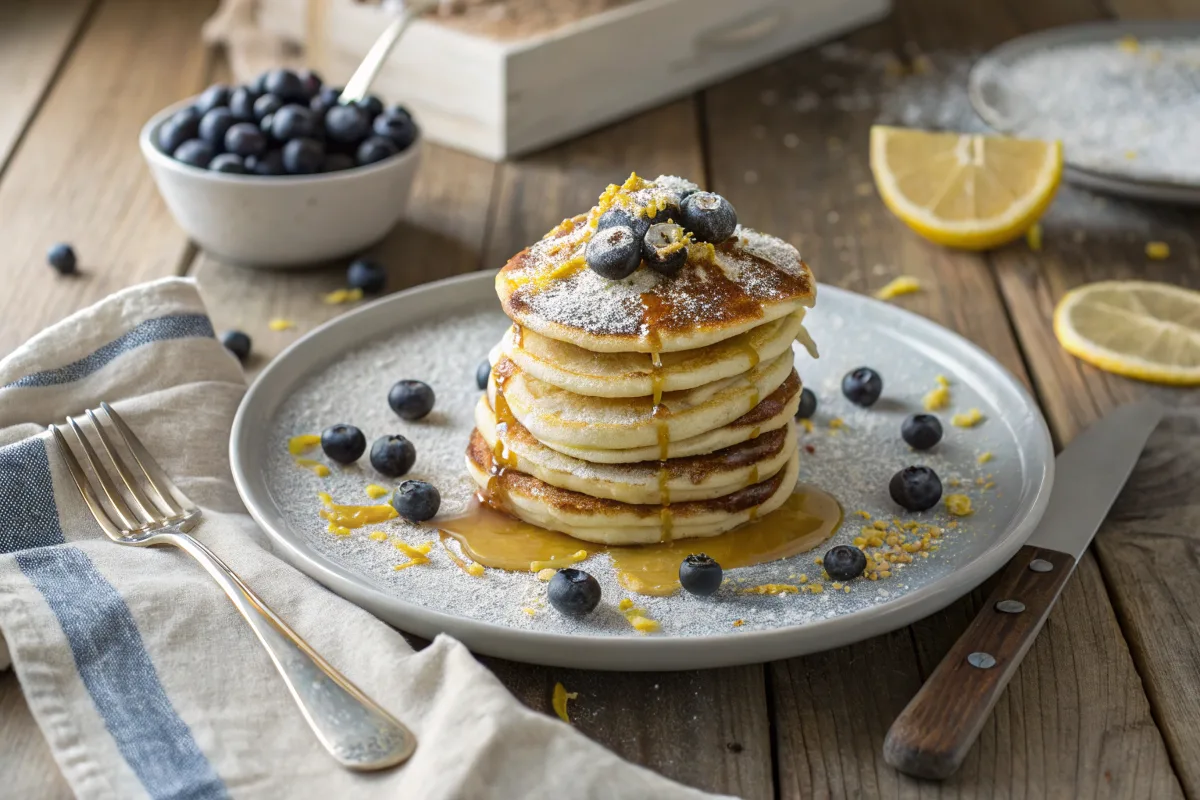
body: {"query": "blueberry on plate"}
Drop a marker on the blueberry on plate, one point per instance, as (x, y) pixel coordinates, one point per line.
(237, 343)
(62, 257)
(574, 592)
(266, 105)
(709, 217)
(366, 275)
(862, 386)
(416, 501)
(269, 163)
(214, 126)
(214, 96)
(916, 488)
(619, 217)
(194, 153)
(241, 104)
(303, 156)
(808, 404)
(336, 162)
(410, 399)
(664, 247)
(245, 139)
(375, 148)
(921, 431)
(286, 85)
(400, 128)
(346, 124)
(228, 163)
(700, 575)
(370, 104)
(343, 443)
(293, 122)
(311, 82)
(482, 373)
(614, 253)
(393, 455)
(844, 563)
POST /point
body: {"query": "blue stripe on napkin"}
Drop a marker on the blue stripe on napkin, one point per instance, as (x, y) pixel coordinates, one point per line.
(28, 513)
(118, 673)
(174, 326)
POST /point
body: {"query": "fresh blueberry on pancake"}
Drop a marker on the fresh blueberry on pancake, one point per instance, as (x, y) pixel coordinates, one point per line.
(665, 248)
(916, 488)
(482, 373)
(844, 563)
(709, 217)
(393, 455)
(700, 575)
(574, 592)
(921, 431)
(343, 443)
(614, 253)
(671, 211)
(416, 501)
(616, 217)
(862, 386)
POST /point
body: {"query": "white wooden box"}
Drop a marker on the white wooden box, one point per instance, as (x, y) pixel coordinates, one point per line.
(502, 98)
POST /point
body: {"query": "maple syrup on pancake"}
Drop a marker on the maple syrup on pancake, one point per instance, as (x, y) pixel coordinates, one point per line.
(495, 539)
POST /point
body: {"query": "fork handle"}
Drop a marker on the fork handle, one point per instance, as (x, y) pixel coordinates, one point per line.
(351, 726)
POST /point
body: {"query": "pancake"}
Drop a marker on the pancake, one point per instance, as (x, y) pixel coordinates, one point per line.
(773, 412)
(570, 367)
(677, 480)
(556, 416)
(721, 291)
(614, 523)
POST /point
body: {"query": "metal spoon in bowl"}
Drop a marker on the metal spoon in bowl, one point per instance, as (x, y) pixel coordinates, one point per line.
(360, 82)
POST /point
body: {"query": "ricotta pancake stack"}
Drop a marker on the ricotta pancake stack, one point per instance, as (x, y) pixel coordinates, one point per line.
(646, 390)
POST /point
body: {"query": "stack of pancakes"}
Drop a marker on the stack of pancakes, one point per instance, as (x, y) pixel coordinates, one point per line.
(650, 408)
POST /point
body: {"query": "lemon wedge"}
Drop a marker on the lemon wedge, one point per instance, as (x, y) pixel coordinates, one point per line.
(1139, 329)
(964, 190)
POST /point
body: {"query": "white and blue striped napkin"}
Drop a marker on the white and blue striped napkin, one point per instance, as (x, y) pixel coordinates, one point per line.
(140, 674)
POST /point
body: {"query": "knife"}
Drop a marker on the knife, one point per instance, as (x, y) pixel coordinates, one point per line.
(934, 732)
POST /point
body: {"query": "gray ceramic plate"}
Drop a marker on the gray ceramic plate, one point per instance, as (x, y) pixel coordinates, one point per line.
(1008, 111)
(439, 332)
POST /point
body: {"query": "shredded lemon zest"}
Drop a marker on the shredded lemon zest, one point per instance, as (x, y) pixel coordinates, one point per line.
(905, 284)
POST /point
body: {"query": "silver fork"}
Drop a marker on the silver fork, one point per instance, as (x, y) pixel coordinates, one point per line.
(351, 726)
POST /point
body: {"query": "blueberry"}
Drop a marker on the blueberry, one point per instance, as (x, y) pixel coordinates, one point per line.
(671, 212)
(245, 139)
(266, 105)
(921, 431)
(393, 455)
(214, 96)
(616, 217)
(916, 488)
(366, 275)
(214, 125)
(303, 156)
(862, 386)
(665, 248)
(286, 85)
(259, 84)
(699, 574)
(808, 404)
(194, 153)
(375, 148)
(293, 122)
(343, 443)
(229, 163)
(311, 83)
(177, 130)
(398, 111)
(347, 124)
(237, 343)
(709, 217)
(411, 399)
(416, 501)
(270, 163)
(336, 162)
(370, 104)
(324, 100)
(614, 253)
(844, 563)
(241, 104)
(574, 592)
(62, 258)
(400, 128)
(482, 373)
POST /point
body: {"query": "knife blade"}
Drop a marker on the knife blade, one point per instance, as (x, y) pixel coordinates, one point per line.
(936, 730)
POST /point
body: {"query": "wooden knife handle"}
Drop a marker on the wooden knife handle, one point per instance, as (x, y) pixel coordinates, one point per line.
(934, 732)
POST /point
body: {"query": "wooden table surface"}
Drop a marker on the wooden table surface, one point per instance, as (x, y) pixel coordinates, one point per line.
(1107, 703)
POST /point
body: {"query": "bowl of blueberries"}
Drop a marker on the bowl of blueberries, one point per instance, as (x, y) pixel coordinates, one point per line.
(279, 173)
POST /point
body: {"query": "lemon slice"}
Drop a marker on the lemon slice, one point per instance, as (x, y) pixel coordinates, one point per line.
(964, 190)
(1149, 331)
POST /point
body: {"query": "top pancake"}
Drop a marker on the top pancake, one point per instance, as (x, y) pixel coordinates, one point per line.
(723, 290)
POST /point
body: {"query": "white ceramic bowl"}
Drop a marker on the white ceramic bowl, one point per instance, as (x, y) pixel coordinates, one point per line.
(286, 221)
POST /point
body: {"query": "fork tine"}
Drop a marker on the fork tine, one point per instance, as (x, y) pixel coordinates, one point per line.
(84, 486)
(126, 517)
(149, 512)
(166, 491)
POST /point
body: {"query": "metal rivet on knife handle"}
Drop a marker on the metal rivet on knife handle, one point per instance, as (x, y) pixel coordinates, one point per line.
(1041, 565)
(1010, 606)
(981, 660)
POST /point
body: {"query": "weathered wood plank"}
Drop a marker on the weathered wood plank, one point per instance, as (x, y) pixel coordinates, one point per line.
(78, 175)
(1075, 720)
(35, 37)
